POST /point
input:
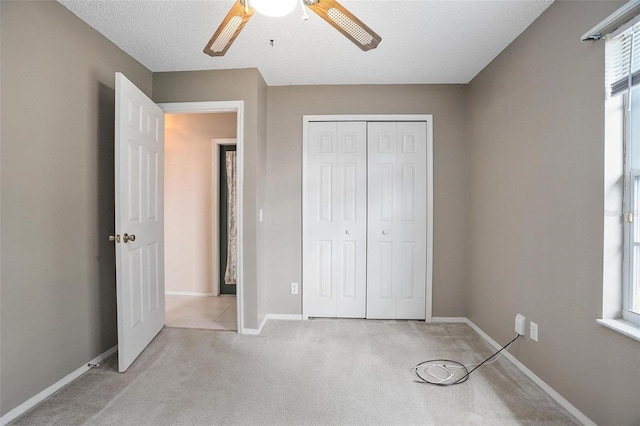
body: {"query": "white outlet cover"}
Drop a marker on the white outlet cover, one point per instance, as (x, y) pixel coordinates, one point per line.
(294, 288)
(520, 324)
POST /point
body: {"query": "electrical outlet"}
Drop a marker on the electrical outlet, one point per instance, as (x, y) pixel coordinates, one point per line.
(294, 288)
(520, 324)
(533, 331)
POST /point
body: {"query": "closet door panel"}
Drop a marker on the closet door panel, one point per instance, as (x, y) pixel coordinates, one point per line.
(397, 220)
(351, 233)
(319, 243)
(381, 261)
(411, 220)
(335, 221)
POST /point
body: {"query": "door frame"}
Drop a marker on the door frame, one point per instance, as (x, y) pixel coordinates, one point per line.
(215, 176)
(218, 107)
(428, 118)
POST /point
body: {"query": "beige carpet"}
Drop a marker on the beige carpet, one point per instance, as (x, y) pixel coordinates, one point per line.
(317, 372)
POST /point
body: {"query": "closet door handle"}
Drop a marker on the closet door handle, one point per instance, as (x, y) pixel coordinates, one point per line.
(347, 232)
(385, 232)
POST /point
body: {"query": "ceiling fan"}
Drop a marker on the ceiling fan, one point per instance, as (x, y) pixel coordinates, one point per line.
(329, 10)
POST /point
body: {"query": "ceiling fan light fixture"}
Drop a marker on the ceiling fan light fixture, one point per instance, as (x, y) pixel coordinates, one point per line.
(273, 8)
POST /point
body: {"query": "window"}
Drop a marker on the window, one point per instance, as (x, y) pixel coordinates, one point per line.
(631, 208)
(623, 80)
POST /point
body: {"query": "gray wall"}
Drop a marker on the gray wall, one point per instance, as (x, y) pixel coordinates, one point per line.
(285, 108)
(234, 85)
(58, 304)
(536, 129)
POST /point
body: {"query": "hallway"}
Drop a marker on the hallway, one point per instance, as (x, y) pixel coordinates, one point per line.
(205, 312)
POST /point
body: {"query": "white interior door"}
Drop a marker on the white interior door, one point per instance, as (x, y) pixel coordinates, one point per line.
(139, 172)
(334, 259)
(397, 220)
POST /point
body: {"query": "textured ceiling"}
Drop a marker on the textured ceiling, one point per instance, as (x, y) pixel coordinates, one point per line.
(423, 41)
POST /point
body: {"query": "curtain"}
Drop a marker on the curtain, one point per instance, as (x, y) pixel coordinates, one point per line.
(230, 275)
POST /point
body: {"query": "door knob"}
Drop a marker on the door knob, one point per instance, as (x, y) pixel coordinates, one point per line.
(347, 232)
(115, 238)
(384, 232)
(126, 237)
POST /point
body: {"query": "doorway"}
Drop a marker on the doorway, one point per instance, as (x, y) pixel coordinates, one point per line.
(226, 222)
(193, 298)
(193, 195)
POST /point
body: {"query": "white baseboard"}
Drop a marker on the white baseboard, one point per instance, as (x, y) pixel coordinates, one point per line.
(288, 317)
(462, 320)
(292, 317)
(582, 418)
(255, 331)
(34, 400)
(186, 293)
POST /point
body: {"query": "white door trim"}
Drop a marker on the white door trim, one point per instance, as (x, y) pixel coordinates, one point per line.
(428, 118)
(238, 108)
(215, 242)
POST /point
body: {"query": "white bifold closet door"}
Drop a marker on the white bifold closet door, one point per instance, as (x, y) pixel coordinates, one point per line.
(334, 269)
(365, 223)
(397, 209)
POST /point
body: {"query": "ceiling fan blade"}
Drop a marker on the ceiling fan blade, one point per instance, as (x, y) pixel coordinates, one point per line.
(345, 22)
(227, 32)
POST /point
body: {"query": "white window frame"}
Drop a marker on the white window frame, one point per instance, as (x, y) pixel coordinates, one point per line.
(631, 270)
(622, 126)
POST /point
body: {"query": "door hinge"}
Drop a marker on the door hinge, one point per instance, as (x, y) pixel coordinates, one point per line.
(628, 217)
